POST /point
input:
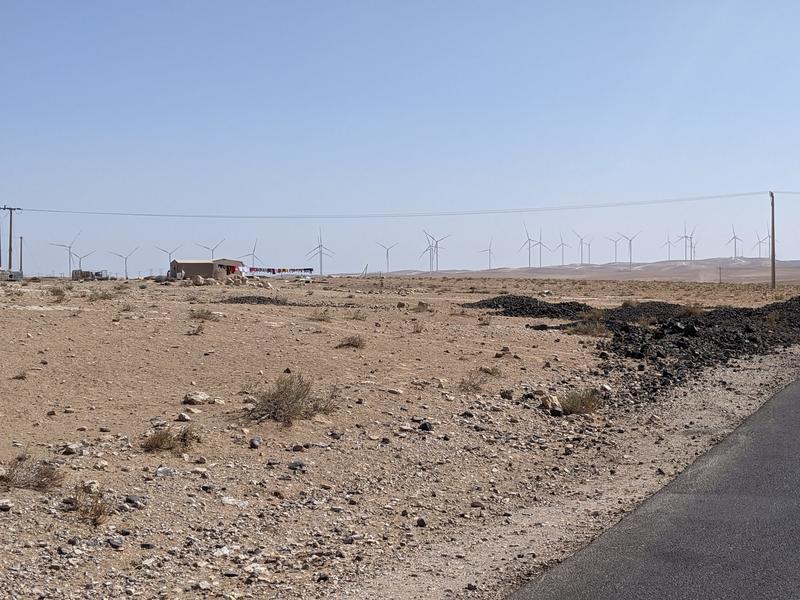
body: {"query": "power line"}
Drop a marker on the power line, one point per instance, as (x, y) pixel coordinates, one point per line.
(402, 215)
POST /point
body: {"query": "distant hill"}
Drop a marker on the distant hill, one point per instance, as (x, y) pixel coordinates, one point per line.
(751, 270)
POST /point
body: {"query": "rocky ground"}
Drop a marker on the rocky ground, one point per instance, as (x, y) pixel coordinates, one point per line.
(438, 475)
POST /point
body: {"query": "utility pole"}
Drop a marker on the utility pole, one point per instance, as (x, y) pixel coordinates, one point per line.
(10, 210)
(772, 262)
(20, 254)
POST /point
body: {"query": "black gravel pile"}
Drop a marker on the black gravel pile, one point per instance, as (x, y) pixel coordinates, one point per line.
(642, 312)
(674, 349)
(524, 306)
(256, 300)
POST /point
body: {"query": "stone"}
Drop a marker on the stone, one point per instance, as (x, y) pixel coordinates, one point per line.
(507, 394)
(164, 471)
(255, 442)
(426, 426)
(297, 465)
(6, 505)
(421, 522)
(116, 543)
(196, 397)
(183, 418)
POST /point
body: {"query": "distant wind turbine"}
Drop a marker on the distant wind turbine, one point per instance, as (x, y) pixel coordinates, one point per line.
(125, 258)
(252, 255)
(489, 253)
(387, 249)
(630, 247)
(320, 250)
(212, 249)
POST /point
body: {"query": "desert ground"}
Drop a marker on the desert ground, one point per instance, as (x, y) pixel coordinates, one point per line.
(443, 451)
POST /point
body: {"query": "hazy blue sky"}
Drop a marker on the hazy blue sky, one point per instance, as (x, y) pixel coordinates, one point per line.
(307, 107)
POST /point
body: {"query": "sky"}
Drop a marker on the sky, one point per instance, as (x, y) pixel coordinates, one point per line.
(303, 108)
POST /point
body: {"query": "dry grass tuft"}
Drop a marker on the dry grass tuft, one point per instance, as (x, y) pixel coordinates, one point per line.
(693, 310)
(590, 328)
(352, 341)
(203, 314)
(473, 382)
(358, 316)
(97, 295)
(417, 327)
(30, 474)
(169, 439)
(581, 402)
(58, 293)
(323, 315)
(197, 329)
(21, 376)
(91, 505)
(485, 320)
(290, 398)
(422, 307)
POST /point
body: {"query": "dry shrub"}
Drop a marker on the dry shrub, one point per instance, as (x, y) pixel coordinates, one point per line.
(630, 303)
(203, 314)
(422, 307)
(772, 318)
(91, 505)
(97, 295)
(358, 316)
(484, 320)
(323, 315)
(693, 310)
(30, 474)
(290, 398)
(169, 439)
(58, 293)
(595, 314)
(589, 328)
(352, 341)
(126, 308)
(21, 376)
(417, 327)
(197, 329)
(581, 402)
(473, 382)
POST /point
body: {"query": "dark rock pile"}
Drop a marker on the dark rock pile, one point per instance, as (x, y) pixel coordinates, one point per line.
(524, 306)
(256, 300)
(654, 345)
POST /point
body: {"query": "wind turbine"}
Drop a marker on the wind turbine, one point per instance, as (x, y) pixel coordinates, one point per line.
(528, 242)
(80, 258)
(735, 240)
(429, 252)
(580, 243)
(252, 255)
(320, 250)
(761, 241)
(589, 251)
(387, 249)
(561, 245)
(435, 243)
(69, 250)
(212, 249)
(489, 253)
(541, 245)
(125, 258)
(669, 244)
(169, 253)
(630, 247)
(616, 243)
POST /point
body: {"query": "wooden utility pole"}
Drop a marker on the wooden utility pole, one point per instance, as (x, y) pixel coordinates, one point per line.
(772, 240)
(20, 254)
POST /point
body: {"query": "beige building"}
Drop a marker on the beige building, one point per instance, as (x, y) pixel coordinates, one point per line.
(219, 268)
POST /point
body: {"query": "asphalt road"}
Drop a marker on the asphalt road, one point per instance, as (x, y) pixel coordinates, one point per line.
(727, 528)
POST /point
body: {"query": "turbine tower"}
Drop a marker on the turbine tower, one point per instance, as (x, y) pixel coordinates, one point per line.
(489, 253)
(529, 243)
(434, 242)
(580, 243)
(735, 240)
(616, 243)
(630, 247)
(560, 246)
(320, 250)
(69, 251)
(212, 249)
(429, 252)
(252, 255)
(669, 244)
(125, 258)
(387, 249)
(761, 242)
(541, 245)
